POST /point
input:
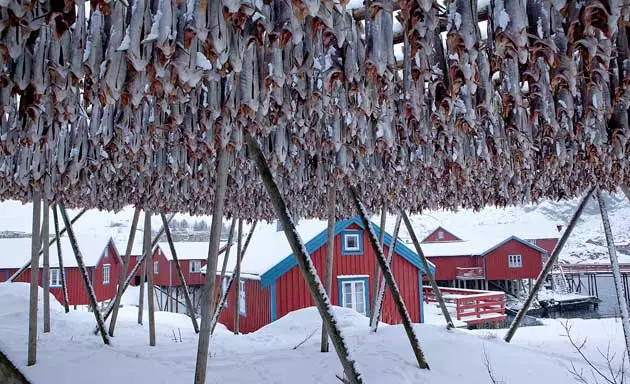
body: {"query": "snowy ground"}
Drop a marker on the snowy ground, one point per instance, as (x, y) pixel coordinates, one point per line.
(71, 353)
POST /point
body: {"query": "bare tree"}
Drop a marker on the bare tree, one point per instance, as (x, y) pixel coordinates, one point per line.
(488, 364)
(594, 374)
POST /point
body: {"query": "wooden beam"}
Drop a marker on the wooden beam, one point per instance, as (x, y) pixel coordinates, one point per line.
(149, 267)
(86, 280)
(34, 289)
(41, 251)
(377, 268)
(305, 263)
(425, 265)
(62, 272)
(619, 287)
(237, 277)
(211, 266)
(123, 272)
(189, 305)
(626, 191)
(143, 278)
(330, 251)
(225, 261)
(45, 239)
(391, 282)
(548, 267)
(378, 305)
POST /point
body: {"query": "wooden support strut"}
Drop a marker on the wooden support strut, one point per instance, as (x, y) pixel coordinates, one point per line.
(391, 282)
(86, 279)
(41, 251)
(150, 272)
(621, 299)
(548, 267)
(211, 266)
(378, 305)
(34, 288)
(123, 273)
(237, 277)
(180, 274)
(227, 253)
(425, 265)
(330, 251)
(305, 263)
(45, 240)
(377, 269)
(143, 278)
(62, 272)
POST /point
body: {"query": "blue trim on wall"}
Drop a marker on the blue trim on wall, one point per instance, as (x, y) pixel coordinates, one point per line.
(344, 250)
(366, 288)
(272, 299)
(318, 241)
(421, 296)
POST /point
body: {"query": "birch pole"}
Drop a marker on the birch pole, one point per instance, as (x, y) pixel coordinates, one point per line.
(34, 288)
(211, 266)
(378, 305)
(237, 278)
(41, 251)
(330, 249)
(227, 254)
(548, 267)
(84, 274)
(62, 271)
(180, 274)
(45, 238)
(377, 269)
(425, 265)
(143, 278)
(619, 288)
(305, 263)
(151, 271)
(221, 302)
(391, 282)
(123, 273)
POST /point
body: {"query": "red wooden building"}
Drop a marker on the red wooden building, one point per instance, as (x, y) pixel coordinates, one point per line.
(272, 285)
(488, 255)
(100, 257)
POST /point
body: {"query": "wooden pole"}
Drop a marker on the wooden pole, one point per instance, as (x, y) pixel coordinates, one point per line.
(304, 261)
(378, 305)
(211, 266)
(84, 274)
(237, 278)
(377, 269)
(41, 251)
(143, 278)
(330, 251)
(34, 289)
(612, 252)
(45, 238)
(123, 273)
(224, 295)
(62, 271)
(225, 260)
(150, 272)
(180, 275)
(626, 191)
(391, 282)
(425, 265)
(548, 267)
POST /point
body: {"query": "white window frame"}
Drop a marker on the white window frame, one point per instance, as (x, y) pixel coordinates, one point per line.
(242, 298)
(224, 284)
(515, 261)
(346, 236)
(353, 295)
(191, 265)
(56, 281)
(106, 273)
(156, 267)
(440, 235)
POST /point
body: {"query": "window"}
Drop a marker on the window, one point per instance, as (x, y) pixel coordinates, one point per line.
(55, 277)
(156, 267)
(242, 302)
(515, 261)
(351, 243)
(195, 266)
(440, 235)
(353, 295)
(106, 274)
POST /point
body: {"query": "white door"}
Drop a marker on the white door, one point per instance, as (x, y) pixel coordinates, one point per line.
(353, 295)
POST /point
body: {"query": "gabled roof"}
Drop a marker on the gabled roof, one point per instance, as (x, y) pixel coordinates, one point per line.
(477, 247)
(526, 243)
(440, 228)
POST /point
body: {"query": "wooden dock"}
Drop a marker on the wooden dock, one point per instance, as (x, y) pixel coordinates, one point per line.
(473, 307)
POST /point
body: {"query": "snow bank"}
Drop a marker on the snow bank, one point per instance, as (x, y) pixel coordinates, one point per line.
(14, 299)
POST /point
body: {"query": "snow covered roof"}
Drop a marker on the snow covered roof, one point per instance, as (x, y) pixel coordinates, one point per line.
(481, 245)
(188, 250)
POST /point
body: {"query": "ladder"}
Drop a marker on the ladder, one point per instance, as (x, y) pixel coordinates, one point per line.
(559, 280)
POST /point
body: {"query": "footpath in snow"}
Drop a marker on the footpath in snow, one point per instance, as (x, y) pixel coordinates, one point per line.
(72, 354)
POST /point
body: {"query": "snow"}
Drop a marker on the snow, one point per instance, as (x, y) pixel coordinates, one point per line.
(191, 250)
(71, 353)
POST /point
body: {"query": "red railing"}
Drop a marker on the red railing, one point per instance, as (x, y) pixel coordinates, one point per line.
(471, 304)
(470, 273)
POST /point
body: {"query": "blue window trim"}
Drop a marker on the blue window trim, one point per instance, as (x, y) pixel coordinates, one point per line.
(272, 294)
(242, 310)
(421, 296)
(318, 241)
(344, 250)
(366, 288)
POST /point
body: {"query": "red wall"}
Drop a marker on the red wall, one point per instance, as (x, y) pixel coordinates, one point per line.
(446, 266)
(258, 312)
(433, 237)
(497, 262)
(292, 292)
(547, 244)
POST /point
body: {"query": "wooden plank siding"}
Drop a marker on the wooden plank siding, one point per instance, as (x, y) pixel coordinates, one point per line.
(434, 237)
(497, 262)
(546, 244)
(446, 266)
(258, 313)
